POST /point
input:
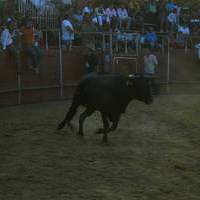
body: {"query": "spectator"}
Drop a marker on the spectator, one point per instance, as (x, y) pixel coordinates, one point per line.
(6, 39)
(88, 9)
(123, 17)
(77, 19)
(30, 48)
(102, 18)
(150, 65)
(67, 33)
(183, 35)
(151, 12)
(162, 15)
(172, 21)
(112, 15)
(170, 6)
(88, 40)
(151, 38)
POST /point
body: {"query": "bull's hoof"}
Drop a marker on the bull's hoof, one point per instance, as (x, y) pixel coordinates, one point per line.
(100, 131)
(60, 126)
(105, 139)
(70, 125)
(80, 133)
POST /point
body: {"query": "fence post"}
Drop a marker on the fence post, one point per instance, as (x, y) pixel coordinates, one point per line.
(186, 45)
(19, 78)
(46, 40)
(60, 65)
(168, 59)
(111, 45)
(137, 45)
(104, 42)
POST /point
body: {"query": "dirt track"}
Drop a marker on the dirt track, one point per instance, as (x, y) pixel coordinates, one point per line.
(154, 154)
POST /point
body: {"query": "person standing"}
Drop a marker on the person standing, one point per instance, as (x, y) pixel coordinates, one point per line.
(150, 67)
(30, 45)
(6, 39)
(67, 33)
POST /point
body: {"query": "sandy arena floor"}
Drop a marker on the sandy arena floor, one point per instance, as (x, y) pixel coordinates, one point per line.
(153, 155)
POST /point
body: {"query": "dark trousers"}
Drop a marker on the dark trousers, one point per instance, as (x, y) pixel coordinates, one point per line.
(34, 53)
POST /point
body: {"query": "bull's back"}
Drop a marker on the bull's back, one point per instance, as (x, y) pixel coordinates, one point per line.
(103, 92)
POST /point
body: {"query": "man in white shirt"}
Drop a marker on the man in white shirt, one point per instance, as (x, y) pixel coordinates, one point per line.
(150, 64)
(172, 20)
(7, 43)
(88, 9)
(184, 30)
(6, 38)
(67, 33)
(183, 34)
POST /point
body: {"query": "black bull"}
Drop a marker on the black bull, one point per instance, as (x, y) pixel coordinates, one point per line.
(110, 95)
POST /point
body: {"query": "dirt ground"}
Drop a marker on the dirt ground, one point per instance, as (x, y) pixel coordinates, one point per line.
(153, 155)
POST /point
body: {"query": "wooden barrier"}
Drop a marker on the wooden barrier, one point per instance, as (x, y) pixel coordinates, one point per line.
(43, 86)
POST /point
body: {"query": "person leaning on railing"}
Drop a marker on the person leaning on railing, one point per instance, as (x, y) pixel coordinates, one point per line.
(30, 46)
(67, 32)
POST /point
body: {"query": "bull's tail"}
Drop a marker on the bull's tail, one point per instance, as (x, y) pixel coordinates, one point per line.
(71, 112)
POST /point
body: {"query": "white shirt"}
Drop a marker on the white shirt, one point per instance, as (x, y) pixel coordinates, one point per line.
(100, 11)
(150, 63)
(87, 9)
(66, 33)
(184, 30)
(111, 12)
(172, 18)
(122, 13)
(6, 38)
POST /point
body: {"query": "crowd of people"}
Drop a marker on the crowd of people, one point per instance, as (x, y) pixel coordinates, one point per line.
(146, 18)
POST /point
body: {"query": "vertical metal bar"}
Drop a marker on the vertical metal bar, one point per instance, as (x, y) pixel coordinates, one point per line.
(137, 45)
(103, 45)
(19, 78)
(186, 45)
(136, 65)
(111, 50)
(111, 45)
(126, 44)
(61, 65)
(168, 59)
(46, 40)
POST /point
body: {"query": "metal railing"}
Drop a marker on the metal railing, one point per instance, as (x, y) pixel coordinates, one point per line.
(108, 42)
(46, 17)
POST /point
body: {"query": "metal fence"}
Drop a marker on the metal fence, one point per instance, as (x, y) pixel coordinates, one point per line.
(108, 43)
(46, 17)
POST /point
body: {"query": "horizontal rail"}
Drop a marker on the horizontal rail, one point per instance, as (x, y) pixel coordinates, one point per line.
(37, 88)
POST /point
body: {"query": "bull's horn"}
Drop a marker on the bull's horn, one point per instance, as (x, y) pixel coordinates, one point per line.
(131, 75)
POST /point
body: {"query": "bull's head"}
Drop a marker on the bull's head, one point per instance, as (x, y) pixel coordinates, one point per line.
(141, 87)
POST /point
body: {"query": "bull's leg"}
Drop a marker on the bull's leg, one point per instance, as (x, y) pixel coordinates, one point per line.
(82, 118)
(106, 128)
(105, 124)
(69, 115)
(115, 121)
